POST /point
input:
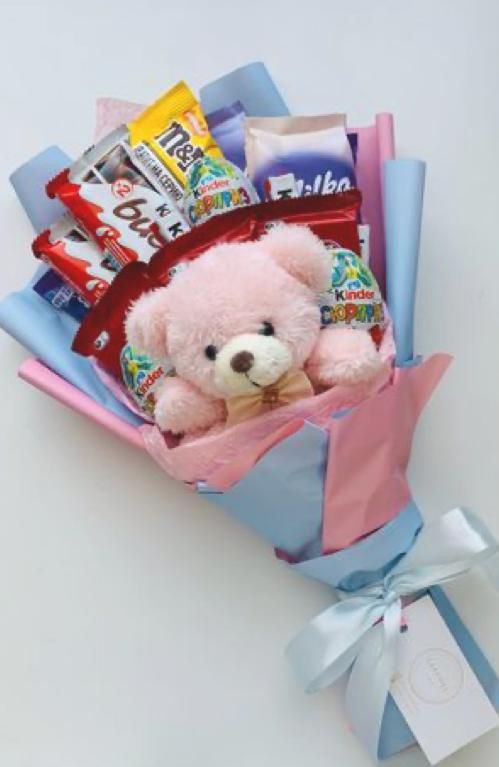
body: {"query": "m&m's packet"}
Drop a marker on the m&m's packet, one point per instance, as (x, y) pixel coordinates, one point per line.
(76, 258)
(315, 149)
(215, 186)
(353, 299)
(171, 135)
(102, 337)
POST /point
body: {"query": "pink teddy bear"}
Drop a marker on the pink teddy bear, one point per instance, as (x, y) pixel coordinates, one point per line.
(240, 325)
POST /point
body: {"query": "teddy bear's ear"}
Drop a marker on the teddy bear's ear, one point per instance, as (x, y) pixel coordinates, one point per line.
(301, 253)
(146, 322)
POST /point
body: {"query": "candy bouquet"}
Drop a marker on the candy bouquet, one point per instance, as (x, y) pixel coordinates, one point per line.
(299, 428)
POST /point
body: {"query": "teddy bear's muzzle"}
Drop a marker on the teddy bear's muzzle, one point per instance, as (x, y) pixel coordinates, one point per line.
(249, 362)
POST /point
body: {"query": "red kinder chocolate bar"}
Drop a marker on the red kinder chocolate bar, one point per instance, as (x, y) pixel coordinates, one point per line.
(78, 260)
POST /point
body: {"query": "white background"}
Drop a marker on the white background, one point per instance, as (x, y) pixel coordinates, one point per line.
(139, 626)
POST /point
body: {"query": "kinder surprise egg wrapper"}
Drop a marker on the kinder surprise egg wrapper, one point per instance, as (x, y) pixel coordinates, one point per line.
(216, 186)
(354, 299)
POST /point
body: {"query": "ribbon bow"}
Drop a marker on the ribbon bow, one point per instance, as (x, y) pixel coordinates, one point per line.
(347, 635)
(292, 386)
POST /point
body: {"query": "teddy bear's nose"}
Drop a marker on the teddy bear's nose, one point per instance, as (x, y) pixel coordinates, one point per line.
(242, 362)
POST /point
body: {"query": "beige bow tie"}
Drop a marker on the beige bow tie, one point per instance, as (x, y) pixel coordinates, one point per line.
(292, 386)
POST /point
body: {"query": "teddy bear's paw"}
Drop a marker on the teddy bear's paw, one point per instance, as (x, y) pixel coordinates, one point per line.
(344, 356)
(183, 409)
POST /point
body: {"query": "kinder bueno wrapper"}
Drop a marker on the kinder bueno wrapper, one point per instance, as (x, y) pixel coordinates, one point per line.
(116, 200)
(216, 186)
(227, 128)
(171, 135)
(70, 252)
(354, 299)
(315, 149)
(60, 295)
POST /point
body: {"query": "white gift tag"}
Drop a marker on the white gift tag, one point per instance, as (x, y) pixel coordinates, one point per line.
(435, 688)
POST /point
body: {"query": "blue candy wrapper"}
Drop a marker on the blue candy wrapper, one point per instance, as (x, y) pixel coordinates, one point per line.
(53, 289)
(227, 128)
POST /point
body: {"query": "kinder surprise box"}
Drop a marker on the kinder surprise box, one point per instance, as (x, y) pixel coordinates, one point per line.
(323, 480)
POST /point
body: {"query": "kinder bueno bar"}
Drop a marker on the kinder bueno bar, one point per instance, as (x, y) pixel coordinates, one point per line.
(171, 135)
(69, 251)
(116, 201)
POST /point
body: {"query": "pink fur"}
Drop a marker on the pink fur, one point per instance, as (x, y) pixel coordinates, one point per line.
(343, 356)
(182, 407)
(145, 324)
(229, 291)
(287, 244)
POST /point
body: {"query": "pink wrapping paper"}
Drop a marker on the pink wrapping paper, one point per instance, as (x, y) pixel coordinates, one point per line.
(36, 374)
(369, 450)
(110, 113)
(223, 458)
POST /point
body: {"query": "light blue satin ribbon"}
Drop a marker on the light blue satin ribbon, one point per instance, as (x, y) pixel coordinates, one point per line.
(350, 635)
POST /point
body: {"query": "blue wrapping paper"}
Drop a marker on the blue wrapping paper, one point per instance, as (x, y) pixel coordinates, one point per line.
(403, 208)
(29, 181)
(252, 86)
(281, 499)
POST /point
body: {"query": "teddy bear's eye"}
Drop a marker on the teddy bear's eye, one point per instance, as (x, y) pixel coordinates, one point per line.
(267, 329)
(211, 352)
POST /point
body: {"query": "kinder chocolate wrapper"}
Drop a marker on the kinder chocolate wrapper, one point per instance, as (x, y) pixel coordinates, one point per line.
(227, 128)
(174, 132)
(216, 186)
(101, 336)
(60, 295)
(315, 149)
(70, 252)
(354, 299)
(333, 218)
(116, 199)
